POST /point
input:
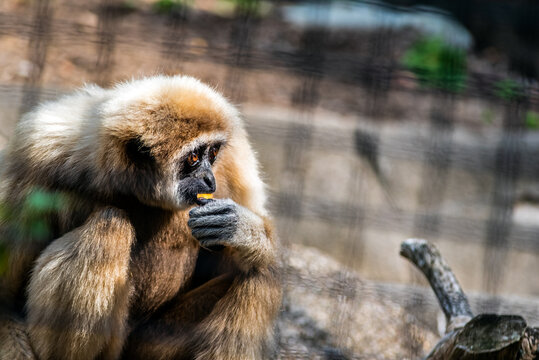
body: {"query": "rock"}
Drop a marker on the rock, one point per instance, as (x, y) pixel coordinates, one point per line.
(327, 315)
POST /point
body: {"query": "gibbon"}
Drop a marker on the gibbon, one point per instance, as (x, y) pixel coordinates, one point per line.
(108, 252)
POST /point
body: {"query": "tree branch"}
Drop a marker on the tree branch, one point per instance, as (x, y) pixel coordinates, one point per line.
(442, 280)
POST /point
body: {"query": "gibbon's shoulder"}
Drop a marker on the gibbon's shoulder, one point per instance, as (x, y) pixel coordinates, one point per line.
(63, 117)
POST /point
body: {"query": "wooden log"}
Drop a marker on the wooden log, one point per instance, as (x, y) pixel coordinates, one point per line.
(486, 336)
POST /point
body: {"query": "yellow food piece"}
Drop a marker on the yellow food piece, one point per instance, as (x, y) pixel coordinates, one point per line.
(205, 196)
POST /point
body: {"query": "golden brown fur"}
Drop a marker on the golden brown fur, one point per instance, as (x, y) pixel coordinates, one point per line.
(115, 271)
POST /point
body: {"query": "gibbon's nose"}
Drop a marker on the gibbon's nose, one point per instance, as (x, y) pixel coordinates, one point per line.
(209, 180)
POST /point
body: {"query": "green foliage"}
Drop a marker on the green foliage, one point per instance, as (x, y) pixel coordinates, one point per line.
(508, 90)
(29, 219)
(250, 6)
(130, 4)
(38, 205)
(437, 64)
(169, 6)
(43, 201)
(532, 120)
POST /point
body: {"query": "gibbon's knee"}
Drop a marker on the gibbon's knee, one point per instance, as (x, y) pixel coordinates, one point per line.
(14, 342)
(169, 333)
(79, 290)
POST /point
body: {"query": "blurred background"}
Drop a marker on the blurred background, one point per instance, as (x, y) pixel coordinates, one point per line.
(374, 121)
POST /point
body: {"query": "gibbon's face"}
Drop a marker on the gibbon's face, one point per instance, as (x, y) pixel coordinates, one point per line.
(196, 175)
(174, 184)
(165, 171)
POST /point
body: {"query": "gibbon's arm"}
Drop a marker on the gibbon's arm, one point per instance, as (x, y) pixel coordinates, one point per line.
(79, 290)
(231, 316)
(240, 326)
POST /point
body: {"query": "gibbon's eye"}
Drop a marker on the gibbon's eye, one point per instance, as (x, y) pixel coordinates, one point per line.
(214, 150)
(193, 159)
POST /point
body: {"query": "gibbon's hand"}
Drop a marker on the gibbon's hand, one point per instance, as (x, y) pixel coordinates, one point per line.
(215, 223)
(224, 222)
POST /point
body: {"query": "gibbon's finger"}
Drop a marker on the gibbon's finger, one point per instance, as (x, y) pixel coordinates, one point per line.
(213, 208)
(216, 203)
(226, 219)
(203, 201)
(217, 232)
(209, 242)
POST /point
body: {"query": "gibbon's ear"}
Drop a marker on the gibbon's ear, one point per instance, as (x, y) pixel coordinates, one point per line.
(138, 153)
(125, 152)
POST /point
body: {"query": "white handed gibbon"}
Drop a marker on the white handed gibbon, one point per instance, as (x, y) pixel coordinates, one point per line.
(108, 251)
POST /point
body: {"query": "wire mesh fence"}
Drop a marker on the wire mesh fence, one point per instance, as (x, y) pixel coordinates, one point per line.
(360, 148)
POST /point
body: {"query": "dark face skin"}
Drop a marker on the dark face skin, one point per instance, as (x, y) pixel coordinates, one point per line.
(196, 175)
